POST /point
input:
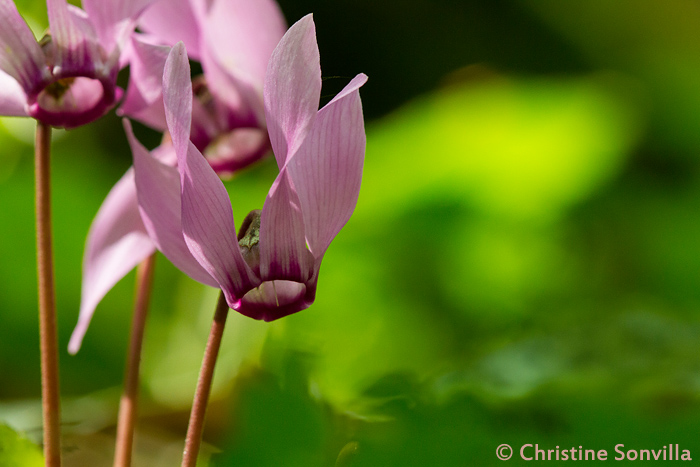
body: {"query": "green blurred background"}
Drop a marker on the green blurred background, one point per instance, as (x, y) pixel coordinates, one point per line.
(522, 266)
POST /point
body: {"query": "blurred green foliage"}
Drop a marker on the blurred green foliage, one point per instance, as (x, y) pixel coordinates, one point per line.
(522, 266)
(16, 451)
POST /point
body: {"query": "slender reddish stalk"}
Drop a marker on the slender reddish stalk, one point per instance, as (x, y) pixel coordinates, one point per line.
(206, 375)
(47, 299)
(128, 405)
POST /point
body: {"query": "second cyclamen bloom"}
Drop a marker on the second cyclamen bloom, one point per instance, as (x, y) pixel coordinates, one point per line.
(273, 271)
(69, 78)
(232, 40)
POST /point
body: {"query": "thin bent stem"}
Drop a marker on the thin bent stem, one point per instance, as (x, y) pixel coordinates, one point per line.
(206, 375)
(47, 299)
(128, 405)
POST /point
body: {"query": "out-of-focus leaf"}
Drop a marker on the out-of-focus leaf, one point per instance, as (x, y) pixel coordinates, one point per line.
(17, 451)
(278, 424)
(519, 148)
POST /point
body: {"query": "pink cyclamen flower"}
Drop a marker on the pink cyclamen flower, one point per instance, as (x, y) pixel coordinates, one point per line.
(270, 269)
(69, 78)
(233, 39)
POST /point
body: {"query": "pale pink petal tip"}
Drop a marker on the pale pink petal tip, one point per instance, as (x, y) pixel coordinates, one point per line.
(292, 88)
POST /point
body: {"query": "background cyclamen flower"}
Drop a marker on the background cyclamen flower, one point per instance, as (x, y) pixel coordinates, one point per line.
(320, 153)
(68, 78)
(233, 41)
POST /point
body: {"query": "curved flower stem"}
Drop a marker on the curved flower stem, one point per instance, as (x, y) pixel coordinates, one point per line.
(47, 299)
(128, 405)
(206, 375)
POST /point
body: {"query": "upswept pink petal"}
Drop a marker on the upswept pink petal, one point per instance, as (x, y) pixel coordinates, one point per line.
(208, 226)
(292, 88)
(20, 54)
(177, 97)
(116, 243)
(283, 253)
(242, 35)
(144, 96)
(173, 21)
(207, 217)
(12, 97)
(158, 188)
(114, 20)
(74, 39)
(327, 168)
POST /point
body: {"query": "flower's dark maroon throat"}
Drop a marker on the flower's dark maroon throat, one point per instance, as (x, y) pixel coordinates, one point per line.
(275, 299)
(58, 88)
(73, 101)
(72, 94)
(272, 299)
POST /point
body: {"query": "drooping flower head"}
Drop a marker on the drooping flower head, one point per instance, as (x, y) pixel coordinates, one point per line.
(68, 78)
(270, 269)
